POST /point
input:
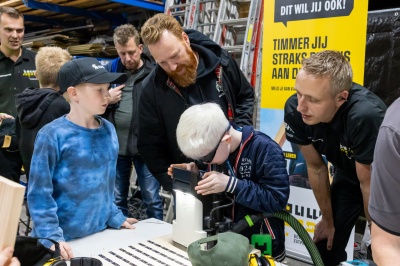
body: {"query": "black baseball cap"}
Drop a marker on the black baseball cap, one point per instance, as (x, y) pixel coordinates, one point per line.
(86, 70)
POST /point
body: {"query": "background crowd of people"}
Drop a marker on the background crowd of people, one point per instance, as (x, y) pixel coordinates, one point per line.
(82, 126)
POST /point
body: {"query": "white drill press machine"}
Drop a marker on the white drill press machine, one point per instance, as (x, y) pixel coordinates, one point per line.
(197, 216)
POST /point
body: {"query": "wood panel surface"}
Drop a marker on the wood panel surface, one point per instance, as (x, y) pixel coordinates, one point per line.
(11, 199)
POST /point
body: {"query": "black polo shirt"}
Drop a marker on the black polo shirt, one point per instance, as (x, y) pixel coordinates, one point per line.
(349, 137)
(14, 78)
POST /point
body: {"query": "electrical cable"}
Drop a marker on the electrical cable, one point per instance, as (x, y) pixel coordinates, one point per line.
(222, 206)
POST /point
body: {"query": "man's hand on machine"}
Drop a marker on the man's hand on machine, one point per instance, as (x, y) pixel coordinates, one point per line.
(192, 167)
(211, 183)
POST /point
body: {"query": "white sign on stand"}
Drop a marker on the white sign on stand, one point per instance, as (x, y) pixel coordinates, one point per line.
(303, 206)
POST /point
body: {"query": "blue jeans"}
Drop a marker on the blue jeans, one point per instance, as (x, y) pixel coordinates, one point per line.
(149, 186)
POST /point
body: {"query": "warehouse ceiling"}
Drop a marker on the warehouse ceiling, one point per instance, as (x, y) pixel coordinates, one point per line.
(53, 14)
(95, 15)
(66, 23)
(47, 14)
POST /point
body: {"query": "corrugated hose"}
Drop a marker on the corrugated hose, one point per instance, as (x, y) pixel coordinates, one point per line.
(249, 221)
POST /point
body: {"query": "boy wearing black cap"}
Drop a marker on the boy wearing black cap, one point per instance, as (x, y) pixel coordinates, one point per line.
(73, 168)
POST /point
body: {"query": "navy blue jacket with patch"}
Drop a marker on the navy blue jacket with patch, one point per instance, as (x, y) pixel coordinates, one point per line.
(261, 184)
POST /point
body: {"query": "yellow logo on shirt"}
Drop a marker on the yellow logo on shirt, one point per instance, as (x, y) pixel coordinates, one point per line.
(29, 73)
(347, 151)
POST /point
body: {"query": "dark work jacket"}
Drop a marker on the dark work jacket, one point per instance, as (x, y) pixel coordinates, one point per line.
(262, 184)
(161, 106)
(35, 109)
(117, 66)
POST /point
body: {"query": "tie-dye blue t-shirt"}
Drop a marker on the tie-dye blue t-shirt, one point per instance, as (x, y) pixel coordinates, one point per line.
(71, 182)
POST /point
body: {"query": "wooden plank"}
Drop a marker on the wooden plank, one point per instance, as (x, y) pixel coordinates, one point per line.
(10, 2)
(48, 37)
(11, 199)
(280, 137)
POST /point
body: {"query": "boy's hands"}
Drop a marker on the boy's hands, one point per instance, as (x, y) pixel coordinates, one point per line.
(128, 224)
(192, 167)
(65, 249)
(213, 182)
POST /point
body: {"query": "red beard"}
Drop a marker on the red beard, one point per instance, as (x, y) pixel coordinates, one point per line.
(190, 73)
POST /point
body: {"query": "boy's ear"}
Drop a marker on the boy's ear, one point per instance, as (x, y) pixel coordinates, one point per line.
(72, 93)
(227, 138)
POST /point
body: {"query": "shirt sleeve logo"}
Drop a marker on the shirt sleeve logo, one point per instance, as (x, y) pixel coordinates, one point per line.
(347, 151)
(289, 130)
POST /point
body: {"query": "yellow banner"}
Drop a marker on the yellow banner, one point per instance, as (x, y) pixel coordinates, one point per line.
(295, 29)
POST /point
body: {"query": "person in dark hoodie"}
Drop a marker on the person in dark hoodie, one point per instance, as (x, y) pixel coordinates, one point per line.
(37, 107)
(191, 69)
(123, 111)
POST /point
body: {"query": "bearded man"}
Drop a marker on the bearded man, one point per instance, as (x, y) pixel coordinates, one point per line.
(191, 69)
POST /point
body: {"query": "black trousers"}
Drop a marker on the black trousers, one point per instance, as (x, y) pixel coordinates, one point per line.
(347, 205)
(10, 164)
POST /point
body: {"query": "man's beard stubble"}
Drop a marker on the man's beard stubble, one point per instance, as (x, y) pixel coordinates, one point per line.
(190, 73)
(133, 67)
